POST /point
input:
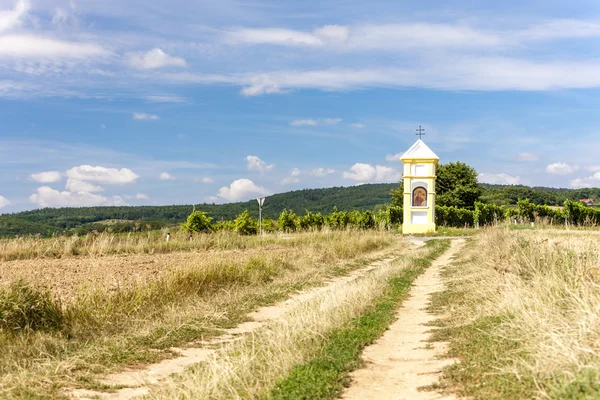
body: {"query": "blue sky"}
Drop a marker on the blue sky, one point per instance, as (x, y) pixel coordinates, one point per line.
(151, 102)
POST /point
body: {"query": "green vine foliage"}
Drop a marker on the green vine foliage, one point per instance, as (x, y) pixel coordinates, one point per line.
(245, 224)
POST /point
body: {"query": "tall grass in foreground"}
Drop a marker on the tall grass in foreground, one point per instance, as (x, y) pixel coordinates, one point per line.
(526, 316)
(249, 368)
(102, 330)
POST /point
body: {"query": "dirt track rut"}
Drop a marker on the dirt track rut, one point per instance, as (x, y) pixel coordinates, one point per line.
(403, 360)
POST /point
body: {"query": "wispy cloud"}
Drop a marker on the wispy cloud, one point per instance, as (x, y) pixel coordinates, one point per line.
(528, 157)
(304, 122)
(293, 177)
(153, 59)
(499, 179)
(144, 116)
(315, 122)
(12, 18)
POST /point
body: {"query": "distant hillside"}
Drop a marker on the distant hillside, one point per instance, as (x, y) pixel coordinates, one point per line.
(507, 195)
(363, 197)
(49, 221)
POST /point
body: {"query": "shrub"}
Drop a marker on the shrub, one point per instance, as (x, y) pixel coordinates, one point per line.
(311, 221)
(486, 214)
(287, 221)
(268, 225)
(396, 214)
(361, 220)
(25, 308)
(245, 224)
(224, 225)
(453, 216)
(338, 219)
(198, 221)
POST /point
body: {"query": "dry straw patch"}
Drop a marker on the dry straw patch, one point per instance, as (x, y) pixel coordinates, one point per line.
(107, 328)
(545, 287)
(249, 368)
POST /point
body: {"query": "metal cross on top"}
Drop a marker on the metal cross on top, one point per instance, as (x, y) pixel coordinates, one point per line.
(420, 132)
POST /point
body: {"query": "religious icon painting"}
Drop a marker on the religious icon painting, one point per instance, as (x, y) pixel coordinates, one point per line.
(420, 197)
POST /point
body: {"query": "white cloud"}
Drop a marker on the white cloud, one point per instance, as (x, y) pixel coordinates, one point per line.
(498, 179)
(144, 116)
(46, 177)
(332, 34)
(320, 172)
(257, 85)
(166, 177)
(207, 179)
(393, 157)
(256, 164)
(12, 18)
(579, 183)
(293, 177)
(48, 197)
(102, 126)
(528, 157)
(372, 37)
(481, 73)
(141, 196)
(369, 173)
(241, 189)
(155, 58)
(75, 185)
(102, 175)
(4, 202)
(561, 168)
(315, 122)
(44, 47)
(304, 122)
(592, 168)
(279, 36)
(561, 28)
(357, 125)
(590, 181)
(165, 99)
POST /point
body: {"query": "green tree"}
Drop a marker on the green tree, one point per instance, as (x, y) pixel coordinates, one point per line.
(456, 186)
(198, 221)
(245, 224)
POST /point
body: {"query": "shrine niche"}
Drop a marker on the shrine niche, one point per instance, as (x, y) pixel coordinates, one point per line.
(419, 197)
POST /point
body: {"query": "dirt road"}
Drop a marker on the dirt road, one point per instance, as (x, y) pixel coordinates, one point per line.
(402, 361)
(134, 383)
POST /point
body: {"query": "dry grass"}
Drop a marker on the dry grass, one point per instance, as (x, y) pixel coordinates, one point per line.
(108, 328)
(542, 288)
(249, 368)
(103, 244)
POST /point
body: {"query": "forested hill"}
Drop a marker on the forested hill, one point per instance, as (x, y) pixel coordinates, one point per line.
(57, 220)
(363, 197)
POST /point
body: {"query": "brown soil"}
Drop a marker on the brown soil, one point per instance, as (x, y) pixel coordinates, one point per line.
(69, 276)
(403, 361)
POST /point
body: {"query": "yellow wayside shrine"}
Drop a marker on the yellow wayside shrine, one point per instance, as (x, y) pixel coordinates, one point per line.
(419, 188)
